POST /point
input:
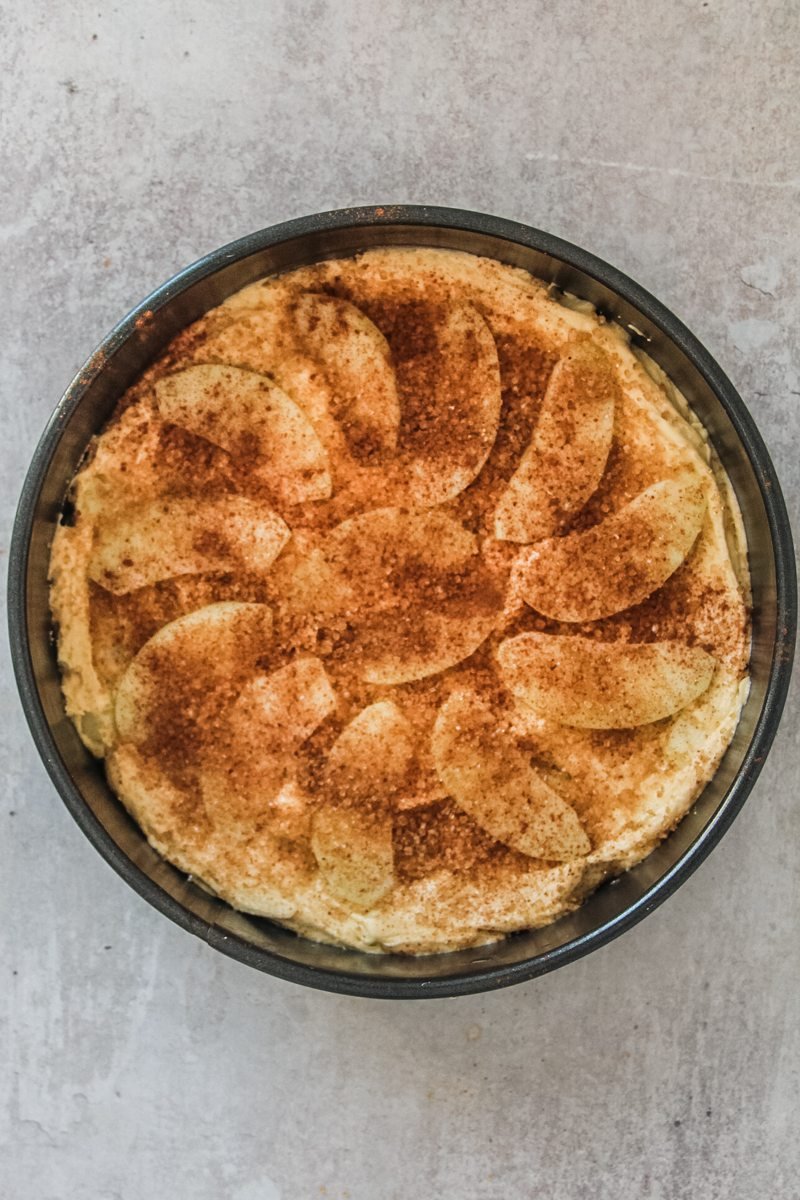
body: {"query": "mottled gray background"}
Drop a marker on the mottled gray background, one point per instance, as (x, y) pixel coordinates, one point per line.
(136, 1062)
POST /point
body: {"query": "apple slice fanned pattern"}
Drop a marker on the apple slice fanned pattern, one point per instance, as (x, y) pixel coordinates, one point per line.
(619, 562)
(493, 780)
(415, 450)
(329, 356)
(342, 474)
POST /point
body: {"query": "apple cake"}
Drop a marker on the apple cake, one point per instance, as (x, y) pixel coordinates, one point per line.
(405, 601)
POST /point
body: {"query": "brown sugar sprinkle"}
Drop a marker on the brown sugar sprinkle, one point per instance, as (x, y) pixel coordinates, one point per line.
(525, 369)
(186, 345)
(429, 389)
(187, 458)
(187, 712)
(395, 600)
(440, 836)
(145, 319)
(687, 608)
(185, 717)
(409, 328)
(625, 476)
(120, 625)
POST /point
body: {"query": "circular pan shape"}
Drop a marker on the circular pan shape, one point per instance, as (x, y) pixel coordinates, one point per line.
(79, 778)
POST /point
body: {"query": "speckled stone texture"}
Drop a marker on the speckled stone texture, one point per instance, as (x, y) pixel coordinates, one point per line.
(138, 1063)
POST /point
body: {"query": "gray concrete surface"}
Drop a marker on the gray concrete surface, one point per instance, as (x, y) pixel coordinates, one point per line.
(136, 1062)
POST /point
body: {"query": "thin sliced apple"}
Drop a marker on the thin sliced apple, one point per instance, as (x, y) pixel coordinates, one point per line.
(188, 658)
(283, 338)
(251, 343)
(373, 754)
(445, 444)
(358, 362)
(388, 550)
(167, 538)
(434, 538)
(249, 760)
(567, 454)
(620, 561)
(250, 417)
(414, 588)
(352, 834)
(276, 713)
(603, 685)
(354, 852)
(400, 648)
(493, 781)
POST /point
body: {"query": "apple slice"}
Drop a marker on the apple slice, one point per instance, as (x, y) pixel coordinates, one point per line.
(186, 660)
(567, 454)
(166, 538)
(384, 537)
(414, 588)
(603, 685)
(447, 436)
(276, 713)
(282, 338)
(351, 834)
(249, 416)
(373, 755)
(492, 780)
(620, 561)
(354, 852)
(397, 648)
(358, 363)
(248, 761)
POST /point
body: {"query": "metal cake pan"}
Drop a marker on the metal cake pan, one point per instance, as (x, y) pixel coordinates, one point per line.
(79, 778)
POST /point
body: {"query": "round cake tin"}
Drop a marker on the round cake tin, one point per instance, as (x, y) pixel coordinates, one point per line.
(80, 779)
